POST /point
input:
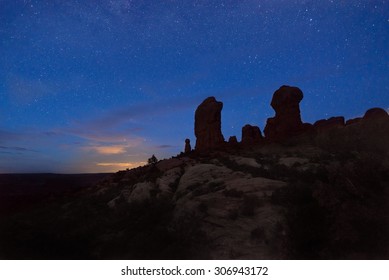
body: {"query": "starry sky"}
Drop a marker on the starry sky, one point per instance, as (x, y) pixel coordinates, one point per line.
(100, 86)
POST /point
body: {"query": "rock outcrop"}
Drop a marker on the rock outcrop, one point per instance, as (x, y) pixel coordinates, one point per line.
(251, 135)
(188, 147)
(353, 121)
(208, 125)
(287, 121)
(376, 113)
(235, 205)
(371, 114)
(232, 141)
(334, 122)
(141, 192)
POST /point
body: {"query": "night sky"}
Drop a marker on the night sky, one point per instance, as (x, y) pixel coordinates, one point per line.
(95, 86)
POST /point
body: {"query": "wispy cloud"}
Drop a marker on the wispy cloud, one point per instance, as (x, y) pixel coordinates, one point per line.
(107, 150)
(17, 149)
(101, 134)
(132, 113)
(6, 135)
(121, 164)
(164, 146)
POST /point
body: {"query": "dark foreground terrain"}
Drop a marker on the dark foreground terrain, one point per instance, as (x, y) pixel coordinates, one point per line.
(268, 202)
(19, 192)
(30, 212)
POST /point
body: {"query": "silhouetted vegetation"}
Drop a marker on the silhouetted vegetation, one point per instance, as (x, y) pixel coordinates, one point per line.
(152, 160)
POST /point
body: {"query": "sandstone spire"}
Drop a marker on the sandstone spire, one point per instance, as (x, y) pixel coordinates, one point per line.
(208, 124)
(287, 121)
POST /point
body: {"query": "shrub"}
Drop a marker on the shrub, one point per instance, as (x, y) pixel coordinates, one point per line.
(152, 160)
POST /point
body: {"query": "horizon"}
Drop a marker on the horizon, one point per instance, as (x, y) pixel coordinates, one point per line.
(97, 87)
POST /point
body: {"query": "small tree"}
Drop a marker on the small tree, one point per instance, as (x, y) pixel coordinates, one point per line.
(152, 160)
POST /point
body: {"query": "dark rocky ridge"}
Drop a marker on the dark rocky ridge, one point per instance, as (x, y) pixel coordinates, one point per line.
(284, 126)
(333, 122)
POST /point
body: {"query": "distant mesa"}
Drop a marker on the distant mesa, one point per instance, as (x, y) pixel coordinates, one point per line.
(208, 125)
(284, 125)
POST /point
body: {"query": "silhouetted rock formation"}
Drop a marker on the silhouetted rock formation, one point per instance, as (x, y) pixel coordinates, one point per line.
(208, 125)
(251, 135)
(353, 121)
(376, 113)
(334, 122)
(287, 121)
(371, 114)
(188, 148)
(232, 141)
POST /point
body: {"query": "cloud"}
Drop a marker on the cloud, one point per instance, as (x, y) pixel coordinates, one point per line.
(117, 144)
(129, 113)
(6, 136)
(121, 164)
(164, 146)
(108, 150)
(16, 149)
(103, 136)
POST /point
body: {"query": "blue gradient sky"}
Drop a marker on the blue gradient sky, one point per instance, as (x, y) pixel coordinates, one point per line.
(92, 86)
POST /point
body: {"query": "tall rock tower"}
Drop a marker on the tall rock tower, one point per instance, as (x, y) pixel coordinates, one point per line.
(287, 121)
(208, 125)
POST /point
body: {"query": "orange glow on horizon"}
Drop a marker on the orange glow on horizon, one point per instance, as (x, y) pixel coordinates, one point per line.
(122, 164)
(108, 150)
